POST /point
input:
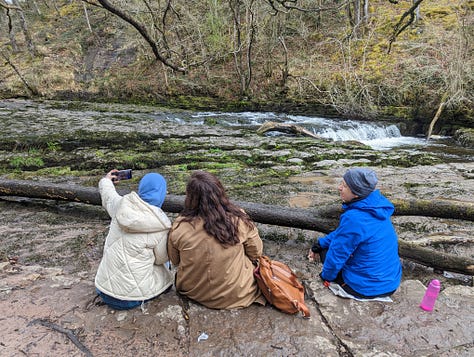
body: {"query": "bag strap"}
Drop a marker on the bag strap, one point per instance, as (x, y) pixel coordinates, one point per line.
(303, 308)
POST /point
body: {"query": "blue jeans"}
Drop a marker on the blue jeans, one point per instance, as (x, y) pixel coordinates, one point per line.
(117, 304)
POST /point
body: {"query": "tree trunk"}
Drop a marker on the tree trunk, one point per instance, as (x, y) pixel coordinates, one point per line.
(323, 219)
(86, 15)
(29, 41)
(30, 88)
(432, 208)
(434, 259)
(437, 115)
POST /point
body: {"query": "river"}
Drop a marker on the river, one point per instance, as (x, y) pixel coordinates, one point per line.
(19, 117)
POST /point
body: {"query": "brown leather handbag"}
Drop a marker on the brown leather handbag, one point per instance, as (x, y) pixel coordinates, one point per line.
(280, 286)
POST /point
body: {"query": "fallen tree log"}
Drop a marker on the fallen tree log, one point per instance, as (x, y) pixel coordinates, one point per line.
(324, 219)
(437, 260)
(173, 203)
(433, 208)
(267, 214)
(286, 128)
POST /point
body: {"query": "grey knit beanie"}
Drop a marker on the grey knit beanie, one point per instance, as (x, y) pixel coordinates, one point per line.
(361, 181)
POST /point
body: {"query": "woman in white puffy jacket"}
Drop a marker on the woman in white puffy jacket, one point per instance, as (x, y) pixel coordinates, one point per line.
(133, 266)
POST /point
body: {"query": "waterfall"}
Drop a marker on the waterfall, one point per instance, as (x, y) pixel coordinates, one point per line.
(379, 136)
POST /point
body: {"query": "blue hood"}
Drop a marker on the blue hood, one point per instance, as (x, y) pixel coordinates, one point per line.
(152, 189)
(375, 204)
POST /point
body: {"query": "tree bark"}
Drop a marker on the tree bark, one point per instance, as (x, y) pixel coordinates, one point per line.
(324, 219)
(401, 26)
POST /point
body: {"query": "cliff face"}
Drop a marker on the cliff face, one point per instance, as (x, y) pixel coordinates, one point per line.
(216, 56)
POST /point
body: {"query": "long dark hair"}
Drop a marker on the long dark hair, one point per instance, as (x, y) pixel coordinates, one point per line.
(206, 199)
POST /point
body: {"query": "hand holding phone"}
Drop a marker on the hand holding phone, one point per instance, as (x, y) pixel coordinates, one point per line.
(122, 175)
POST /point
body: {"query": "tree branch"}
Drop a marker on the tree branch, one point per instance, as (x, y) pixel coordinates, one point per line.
(143, 32)
(400, 27)
(70, 334)
(9, 7)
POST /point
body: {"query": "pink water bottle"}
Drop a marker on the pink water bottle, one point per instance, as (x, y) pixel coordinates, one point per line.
(430, 295)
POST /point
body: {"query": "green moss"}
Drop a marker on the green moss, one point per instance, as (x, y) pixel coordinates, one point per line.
(275, 236)
(22, 162)
(420, 159)
(172, 146)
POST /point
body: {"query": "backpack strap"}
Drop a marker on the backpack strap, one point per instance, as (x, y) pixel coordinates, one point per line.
(303, 308)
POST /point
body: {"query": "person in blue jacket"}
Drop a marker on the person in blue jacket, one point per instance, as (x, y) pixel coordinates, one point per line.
(361, 255)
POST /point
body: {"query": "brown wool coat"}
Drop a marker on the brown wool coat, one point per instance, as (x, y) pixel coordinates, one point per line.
(209, 273)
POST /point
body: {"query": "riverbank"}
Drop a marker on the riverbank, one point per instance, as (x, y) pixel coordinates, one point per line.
(317, 61)
(78, 142)
(50, 250)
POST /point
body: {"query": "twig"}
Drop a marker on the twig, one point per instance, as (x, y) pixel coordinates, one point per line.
(65, 331)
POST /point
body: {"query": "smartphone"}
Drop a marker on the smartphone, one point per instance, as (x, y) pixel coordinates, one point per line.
(123, 174)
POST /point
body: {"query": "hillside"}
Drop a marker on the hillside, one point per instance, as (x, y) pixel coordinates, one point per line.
(263, 55)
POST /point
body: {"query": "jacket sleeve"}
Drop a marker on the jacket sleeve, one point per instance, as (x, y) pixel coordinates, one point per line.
(160, 249)
(344, 241)
(253, 244)
(109, 196)
(173, 252)
(325, 241)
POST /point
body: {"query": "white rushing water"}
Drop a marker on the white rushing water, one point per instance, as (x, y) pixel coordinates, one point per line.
(378, 136)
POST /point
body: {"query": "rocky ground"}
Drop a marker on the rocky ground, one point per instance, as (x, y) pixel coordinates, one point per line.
(47, 297)
(50, 250)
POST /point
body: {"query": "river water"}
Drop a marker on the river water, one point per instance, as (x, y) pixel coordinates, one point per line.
(24, 117)
(379, 136)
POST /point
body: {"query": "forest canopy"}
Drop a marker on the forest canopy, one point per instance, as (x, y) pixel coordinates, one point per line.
(361, 58)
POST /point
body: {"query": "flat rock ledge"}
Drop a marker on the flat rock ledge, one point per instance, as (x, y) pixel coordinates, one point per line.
(172, 326)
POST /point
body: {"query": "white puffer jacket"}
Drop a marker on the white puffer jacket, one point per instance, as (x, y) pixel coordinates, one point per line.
(132, 267)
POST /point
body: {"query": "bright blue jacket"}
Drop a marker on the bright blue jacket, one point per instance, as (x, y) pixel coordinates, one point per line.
(364, 247)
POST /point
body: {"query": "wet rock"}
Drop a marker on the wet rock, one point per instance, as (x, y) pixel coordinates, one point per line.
(402, 327)
(465, 137)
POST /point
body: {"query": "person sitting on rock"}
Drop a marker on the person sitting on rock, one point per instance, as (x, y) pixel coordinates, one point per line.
(213, 243)
(133, 266)
(361, 255)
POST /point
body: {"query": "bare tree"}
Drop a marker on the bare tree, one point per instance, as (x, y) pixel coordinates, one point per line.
(405, 20)
(86, 14)
(24, 26)
(143, 31)
(244, 40)
(11, 31)
(456, 74)
(366, 11)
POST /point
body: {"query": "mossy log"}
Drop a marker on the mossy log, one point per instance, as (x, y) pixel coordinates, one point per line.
(426, 208)
(323, 219)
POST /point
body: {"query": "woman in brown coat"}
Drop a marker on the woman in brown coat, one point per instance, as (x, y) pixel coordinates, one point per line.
(213, 243)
